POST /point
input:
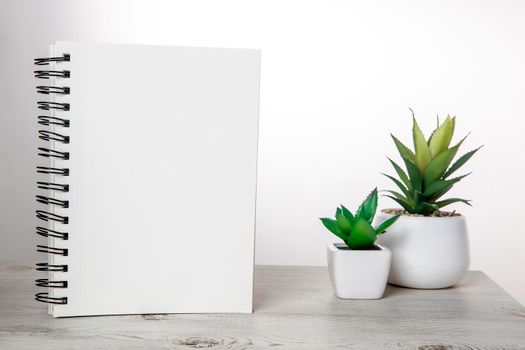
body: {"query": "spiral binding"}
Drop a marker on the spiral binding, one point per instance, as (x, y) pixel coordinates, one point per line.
(51, 136)
(47, 232)
(47, 121)
(52, 250)
(47, 216)
(53, 186)
(44, 282)
(51, 153)
(51, 200)
(51, 267)
(45, 298)
(46, 90)
(47, 106)
(46, 74)
(46, 60)
(50, 170)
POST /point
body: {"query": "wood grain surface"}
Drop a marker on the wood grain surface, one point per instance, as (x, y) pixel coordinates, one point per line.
(294, 309)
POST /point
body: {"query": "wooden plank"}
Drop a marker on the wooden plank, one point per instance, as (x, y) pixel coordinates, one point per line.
(294, 309)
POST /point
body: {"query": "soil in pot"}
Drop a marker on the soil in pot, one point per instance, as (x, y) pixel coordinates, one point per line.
(437, 214)
(343, 246)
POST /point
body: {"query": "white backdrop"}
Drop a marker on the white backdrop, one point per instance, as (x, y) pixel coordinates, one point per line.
(337, 77)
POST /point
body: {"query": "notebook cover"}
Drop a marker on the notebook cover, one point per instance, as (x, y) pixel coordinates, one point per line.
(162, 184)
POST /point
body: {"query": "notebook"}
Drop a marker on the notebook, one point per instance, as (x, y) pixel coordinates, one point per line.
(146, 178)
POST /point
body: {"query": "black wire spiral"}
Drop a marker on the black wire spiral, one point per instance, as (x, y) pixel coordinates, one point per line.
(46, 232)
(49, 170)
(51, 153)
(54, 188)
(47, 121)
(47, 106)
(45, 298)
(51, 267)
(46, 90)
(44, 61)
(46, 74)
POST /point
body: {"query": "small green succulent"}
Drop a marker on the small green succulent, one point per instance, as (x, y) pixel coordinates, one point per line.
(428, 169)
(356, 230)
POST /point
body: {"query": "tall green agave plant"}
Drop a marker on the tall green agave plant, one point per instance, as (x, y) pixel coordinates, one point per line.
(428, 170)
(356, 229)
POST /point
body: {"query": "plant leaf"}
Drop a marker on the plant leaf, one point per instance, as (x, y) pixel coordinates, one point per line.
(344, 224)
(367, 209)
(370, 206)
(459, 163)
(441, 185)
(363, 235)
(402, 175)
(441, 137)
(439, 165)
(425, 208)
(438, 195)
(434, 131)
(407, 206)
(415, 176)
(400, 196)
(347, 214)
(380, 229)
(422, 151)
(333, 227)
(453, 122)
(399, 184)
(405, 152)
(448, 201)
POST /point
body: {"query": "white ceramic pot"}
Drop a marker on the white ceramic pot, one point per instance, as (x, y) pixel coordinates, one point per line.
(427, 252)
(358, 274)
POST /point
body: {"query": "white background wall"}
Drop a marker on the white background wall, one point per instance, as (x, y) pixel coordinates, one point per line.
(337, 77)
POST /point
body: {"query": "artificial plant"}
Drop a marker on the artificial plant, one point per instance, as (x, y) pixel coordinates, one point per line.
(428, 169)
(356, 229)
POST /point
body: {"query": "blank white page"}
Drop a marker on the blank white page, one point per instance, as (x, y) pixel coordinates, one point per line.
(163, 156)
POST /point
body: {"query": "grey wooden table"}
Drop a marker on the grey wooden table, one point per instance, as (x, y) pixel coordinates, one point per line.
(294, 309)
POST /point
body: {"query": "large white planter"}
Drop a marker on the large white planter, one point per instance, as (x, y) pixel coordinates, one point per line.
(427, 252)
(358, 274)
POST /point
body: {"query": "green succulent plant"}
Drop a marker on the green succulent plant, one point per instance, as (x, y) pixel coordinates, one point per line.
(356, 229)
(428, 168)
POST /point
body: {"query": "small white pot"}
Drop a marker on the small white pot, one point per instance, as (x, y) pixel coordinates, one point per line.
(358, 274)
(427, 252)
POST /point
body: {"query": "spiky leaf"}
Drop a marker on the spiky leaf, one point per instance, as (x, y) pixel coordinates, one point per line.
(333, 227)
(422, 151)
(347, 214)
(459, 163)
(380, 229)
(441, 137)
(399, 196)
(367, 209)
(344, 224)
(438, 195)
(399, 184)
(402, 175)
(406, 205)
(405, 152)
(441, 185)
(439, 165)
(415, 176)
(363, 235)
(448, 201)
(425, 208)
